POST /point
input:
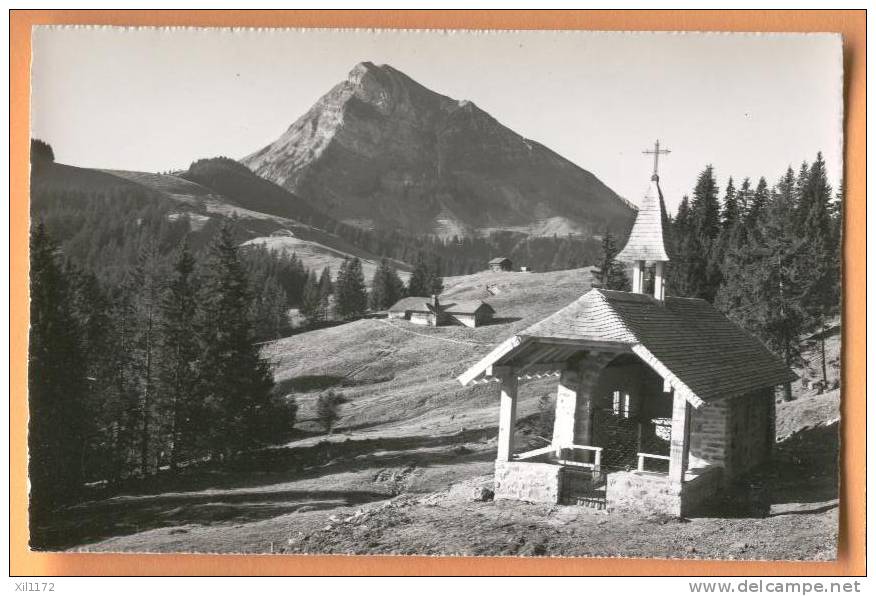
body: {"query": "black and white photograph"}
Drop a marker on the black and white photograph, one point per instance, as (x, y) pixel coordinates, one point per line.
(425, 292)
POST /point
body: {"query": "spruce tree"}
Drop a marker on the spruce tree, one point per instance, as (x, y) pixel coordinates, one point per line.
(57, 383)
(420, 283)
(762, 289)
(351, 298)
(386, 287)
(730, 211)
(311, 300)
(236, 380)
(326, 291)
(179, 364)
(609, 273)
(759, 200)
(695, 271)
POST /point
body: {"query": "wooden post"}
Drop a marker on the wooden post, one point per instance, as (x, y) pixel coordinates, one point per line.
(507, 411)
(659, 282)
(564, 414)
(638, 275)
(679, 445)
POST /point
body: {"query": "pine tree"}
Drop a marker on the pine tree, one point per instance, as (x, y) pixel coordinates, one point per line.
(730, 213)
(351, 299)
(386, 287)
(236, 381)
(609, 273)
(311, 301)
(57, 382)
(420, 283)
(326, 291)
(695, 270)
(180, 357)
(759, 201)
(436, 277)
(743, 199)
(144, 284)
(762, 289)
(327, 409)
(821, 277)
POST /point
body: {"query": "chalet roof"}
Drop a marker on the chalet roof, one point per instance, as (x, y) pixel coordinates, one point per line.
(412, 303)
(423, 304)
(647, 238)
(701, 353)
(466, 307)
(499, 260)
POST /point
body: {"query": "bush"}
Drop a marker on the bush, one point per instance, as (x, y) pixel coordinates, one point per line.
(327, 409)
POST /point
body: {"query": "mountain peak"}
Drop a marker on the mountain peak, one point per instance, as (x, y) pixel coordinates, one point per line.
(382, 150)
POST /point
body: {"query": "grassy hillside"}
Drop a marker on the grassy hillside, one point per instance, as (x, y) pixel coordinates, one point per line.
(317, 255)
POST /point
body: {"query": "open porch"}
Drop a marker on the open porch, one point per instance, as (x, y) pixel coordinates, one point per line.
(621, 435)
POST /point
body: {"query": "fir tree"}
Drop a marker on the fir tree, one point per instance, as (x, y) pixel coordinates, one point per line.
(327, 409)
(236, 381)
(180, 363)
(56, 381)
(326, 291)
(419, 283)
(311, 300)
(386, 287)
(609, 273)
(144, 284)
(730, 213)
(762, 289)
(351, 299)
(695, 271)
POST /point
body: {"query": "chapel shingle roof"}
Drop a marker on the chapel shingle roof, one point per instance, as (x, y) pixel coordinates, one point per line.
(499, 260)
(698, 345)
(647, 238)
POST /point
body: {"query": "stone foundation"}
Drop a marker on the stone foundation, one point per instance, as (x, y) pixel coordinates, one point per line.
(652, 493)
(528, 481)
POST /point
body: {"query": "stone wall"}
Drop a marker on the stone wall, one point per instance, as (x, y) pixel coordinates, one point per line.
(736, 434)
(528, 481)
(641, 492)
(653, 493)
(709, 440)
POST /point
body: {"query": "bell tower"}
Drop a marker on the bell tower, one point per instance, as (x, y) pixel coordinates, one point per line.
(646, 243)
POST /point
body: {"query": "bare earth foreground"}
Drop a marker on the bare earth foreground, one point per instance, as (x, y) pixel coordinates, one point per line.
(404, 469)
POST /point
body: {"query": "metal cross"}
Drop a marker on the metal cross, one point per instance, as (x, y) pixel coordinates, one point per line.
(656, 153)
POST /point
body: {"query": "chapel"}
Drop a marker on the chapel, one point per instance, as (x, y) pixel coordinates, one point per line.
(661, 401)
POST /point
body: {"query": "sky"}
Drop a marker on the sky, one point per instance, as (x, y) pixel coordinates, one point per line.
(158, 99)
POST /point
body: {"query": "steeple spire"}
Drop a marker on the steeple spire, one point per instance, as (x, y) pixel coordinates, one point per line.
(647, 242)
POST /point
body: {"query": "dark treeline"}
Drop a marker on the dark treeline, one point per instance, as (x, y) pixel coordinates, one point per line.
(469, 254)
(156, 371)
(766, 255)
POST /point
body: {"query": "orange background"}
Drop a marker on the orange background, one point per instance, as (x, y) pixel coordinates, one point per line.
(851, 561)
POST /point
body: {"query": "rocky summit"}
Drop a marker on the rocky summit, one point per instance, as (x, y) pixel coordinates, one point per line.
(381, 150)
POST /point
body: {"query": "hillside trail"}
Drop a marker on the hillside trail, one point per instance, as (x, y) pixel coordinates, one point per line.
(435, 337)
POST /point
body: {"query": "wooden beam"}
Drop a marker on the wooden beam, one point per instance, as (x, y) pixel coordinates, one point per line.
(507, 414)
(510, 345)
(542, 368)
(679, 444)
(585, 344)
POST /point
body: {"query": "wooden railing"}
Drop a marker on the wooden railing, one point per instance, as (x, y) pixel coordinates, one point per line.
(557, 450)
(644, 456)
